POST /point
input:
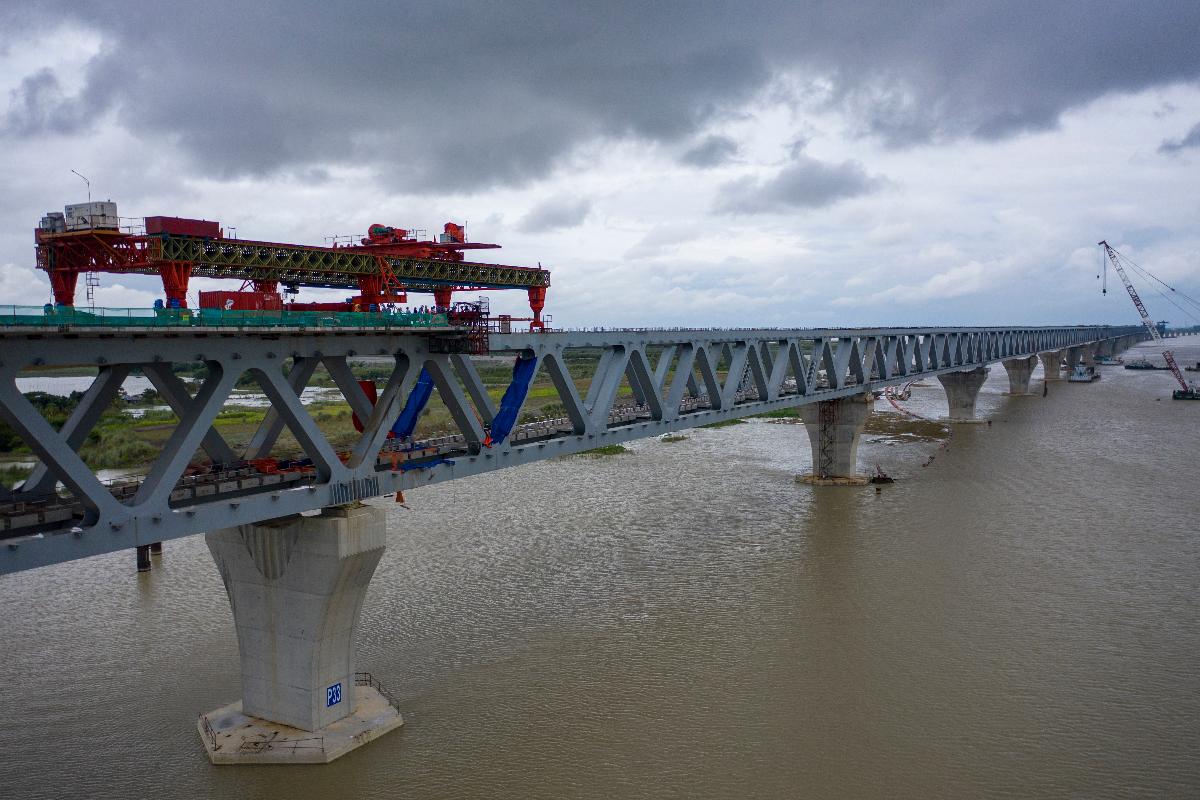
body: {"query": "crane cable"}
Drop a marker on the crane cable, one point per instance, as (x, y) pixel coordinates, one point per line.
(1148, 274)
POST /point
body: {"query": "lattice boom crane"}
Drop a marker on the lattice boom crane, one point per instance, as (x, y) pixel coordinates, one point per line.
(1168, 356)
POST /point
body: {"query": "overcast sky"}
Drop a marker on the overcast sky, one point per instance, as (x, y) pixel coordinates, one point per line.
(754, 163)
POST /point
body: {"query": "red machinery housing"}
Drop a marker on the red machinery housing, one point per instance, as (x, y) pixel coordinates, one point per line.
(183, 227)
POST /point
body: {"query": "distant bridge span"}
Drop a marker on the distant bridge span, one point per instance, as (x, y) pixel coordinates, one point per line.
(679, 378)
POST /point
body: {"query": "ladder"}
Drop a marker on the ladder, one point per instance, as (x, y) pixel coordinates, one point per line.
(91, 280)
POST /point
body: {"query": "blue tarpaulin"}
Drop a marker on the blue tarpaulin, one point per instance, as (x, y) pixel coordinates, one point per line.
(514, 398)
(425, 464)
(406, 423)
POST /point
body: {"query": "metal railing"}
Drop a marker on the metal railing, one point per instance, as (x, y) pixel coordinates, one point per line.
(367, 679)
(208, 731)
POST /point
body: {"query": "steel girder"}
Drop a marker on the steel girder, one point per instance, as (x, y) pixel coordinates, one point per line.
(699, 377)
(264, 261)
(241, 259)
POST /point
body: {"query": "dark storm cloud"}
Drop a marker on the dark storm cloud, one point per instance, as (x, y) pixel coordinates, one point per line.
(712, 151)
(1190, 140)
(805, 183)
(466, 96)
(555, 213)
(39, 106)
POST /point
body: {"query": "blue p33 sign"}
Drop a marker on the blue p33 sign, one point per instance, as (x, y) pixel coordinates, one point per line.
(333, 695)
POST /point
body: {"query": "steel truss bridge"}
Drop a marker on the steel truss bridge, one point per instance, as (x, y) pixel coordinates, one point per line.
(63, 511)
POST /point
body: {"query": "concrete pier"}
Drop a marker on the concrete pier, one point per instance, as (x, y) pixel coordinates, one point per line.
(296, 586)
(1052, 365)
(1019, 372)
(962, 389)
(834, 428)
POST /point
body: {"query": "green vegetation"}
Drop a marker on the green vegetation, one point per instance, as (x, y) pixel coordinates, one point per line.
(780, 413)
(725, 423)
(606, 450)
(54, 408)
(12, 473)
(670, 438)
(112, 449)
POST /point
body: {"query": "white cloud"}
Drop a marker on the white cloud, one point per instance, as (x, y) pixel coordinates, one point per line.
(955, 282)
(120, 296)
(23, 286)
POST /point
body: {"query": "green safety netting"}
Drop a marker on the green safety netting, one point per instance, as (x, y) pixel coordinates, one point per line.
(34, 316)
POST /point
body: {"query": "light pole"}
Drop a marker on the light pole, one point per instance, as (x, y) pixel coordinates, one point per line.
(89, 187)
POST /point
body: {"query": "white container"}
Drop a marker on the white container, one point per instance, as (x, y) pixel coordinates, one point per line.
(54, 222)
(98, 214)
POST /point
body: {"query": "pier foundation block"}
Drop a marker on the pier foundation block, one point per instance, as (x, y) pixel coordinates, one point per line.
(834, 428)
(296, 586)
(962, 389)
(1019, 372)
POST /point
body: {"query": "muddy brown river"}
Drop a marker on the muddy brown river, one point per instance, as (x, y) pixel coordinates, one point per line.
(1020, 618)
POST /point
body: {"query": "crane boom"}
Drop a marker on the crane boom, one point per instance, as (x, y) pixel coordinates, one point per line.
(1168, 356)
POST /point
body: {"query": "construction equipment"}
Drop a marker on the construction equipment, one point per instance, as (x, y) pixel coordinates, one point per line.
(384, 266)
(1185, 392)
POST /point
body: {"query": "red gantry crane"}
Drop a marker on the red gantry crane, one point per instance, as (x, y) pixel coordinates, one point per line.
(1185, 392)
(383, 266)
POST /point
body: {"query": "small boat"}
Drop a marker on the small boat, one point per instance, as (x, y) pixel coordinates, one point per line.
(1190, 393)
(1194, 369)
(1084, 373)
(881, 477)
(1144, 364)
(1109, 361)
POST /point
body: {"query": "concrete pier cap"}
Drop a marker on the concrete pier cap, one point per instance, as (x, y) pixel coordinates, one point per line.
(962, 389)
(1019, 370)
(834, 428)
(296, 587)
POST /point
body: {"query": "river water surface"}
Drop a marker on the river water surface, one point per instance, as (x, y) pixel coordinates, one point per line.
(1019, 618)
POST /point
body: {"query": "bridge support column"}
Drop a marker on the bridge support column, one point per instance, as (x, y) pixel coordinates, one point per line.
(1019, 371)
(962, 389)
(1052, 365)
(296, 586)
(834, 428)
